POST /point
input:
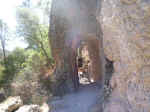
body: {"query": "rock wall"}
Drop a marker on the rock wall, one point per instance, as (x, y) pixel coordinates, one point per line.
(60, 50)
(96, 64)
(126, 39)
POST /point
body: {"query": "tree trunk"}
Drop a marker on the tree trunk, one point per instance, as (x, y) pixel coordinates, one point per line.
(3, 49)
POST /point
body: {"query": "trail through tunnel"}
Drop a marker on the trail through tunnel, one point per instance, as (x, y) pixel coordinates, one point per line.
(88, 62)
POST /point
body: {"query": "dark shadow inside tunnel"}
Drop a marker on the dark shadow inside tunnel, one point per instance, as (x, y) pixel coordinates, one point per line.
(109, 70)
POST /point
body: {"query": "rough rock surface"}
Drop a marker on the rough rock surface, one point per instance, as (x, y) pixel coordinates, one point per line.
(11, 104)
(15, 104)
(126, 40)
(95, 59)
(29, 108)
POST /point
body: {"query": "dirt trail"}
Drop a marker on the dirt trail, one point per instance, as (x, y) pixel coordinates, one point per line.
(82, 101)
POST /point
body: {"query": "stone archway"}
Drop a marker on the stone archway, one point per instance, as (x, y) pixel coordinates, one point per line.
(77, 21)
(94, 55)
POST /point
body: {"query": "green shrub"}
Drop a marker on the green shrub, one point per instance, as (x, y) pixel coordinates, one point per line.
(2, 68)
(13, 64)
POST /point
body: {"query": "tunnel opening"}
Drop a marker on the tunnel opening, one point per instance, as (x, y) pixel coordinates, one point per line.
(93, 67)
(71, 24)
(84, 65)
(88, 61)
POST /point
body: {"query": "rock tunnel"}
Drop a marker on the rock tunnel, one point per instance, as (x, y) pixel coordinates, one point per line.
(73, 22)
(91, 52)
(121, 28)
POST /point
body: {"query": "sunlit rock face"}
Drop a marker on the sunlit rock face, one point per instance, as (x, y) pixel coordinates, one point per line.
(126, 39)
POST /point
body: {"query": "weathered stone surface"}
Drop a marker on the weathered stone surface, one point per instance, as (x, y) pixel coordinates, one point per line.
(60, 51)
(96, 64)
(125, 25)
(11, 104)
(29, 108)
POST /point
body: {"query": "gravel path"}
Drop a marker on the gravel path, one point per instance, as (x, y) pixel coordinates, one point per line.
(81, 101)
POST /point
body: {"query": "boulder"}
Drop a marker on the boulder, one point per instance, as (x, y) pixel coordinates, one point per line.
(11, 104)
(45, 107)
(29, 108)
